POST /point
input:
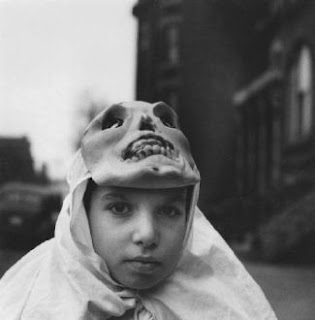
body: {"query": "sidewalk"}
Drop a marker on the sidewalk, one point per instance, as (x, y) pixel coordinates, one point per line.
(289, 289)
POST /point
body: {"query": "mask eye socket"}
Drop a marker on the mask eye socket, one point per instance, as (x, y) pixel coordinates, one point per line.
(168, 121)
(113, 118)
(112, 123)
(166, 114)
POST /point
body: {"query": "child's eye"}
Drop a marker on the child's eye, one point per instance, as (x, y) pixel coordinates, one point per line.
(169, 211)
(119, 208)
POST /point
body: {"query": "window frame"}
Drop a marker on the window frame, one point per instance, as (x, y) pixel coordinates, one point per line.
(300, 96)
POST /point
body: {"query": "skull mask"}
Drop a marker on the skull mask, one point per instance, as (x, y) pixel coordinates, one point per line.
(139, 145)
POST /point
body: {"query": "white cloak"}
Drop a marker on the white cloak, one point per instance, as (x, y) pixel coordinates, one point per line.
(64, 278)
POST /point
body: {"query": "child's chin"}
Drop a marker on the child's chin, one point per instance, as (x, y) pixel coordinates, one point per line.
(144, 283)
(136, 279)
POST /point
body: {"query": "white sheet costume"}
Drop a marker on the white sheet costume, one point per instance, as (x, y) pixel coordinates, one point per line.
(64, 278)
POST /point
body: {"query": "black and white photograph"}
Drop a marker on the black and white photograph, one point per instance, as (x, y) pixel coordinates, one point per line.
(157, 159)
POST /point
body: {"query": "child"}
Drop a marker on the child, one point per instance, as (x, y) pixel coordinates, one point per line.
(130, 242)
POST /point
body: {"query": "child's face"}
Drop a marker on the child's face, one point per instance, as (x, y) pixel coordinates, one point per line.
(138, 232)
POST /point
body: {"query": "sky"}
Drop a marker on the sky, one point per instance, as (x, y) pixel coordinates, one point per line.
(53, 53)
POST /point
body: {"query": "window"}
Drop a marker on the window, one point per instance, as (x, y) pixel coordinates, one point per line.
(173, 54)
(300, 115)
(171, 44)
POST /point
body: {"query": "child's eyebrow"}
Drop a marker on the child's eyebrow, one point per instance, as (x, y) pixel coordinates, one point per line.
(113, 196)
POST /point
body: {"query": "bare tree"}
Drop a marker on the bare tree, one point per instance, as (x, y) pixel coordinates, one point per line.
(88, 108)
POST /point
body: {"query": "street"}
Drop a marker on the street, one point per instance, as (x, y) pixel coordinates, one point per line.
(290, 289)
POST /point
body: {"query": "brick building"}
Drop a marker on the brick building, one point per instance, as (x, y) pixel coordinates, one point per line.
(239, 74)
(276, 146)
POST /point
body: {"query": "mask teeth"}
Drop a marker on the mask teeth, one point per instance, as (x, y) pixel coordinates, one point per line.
(148, 150)
(147, 146)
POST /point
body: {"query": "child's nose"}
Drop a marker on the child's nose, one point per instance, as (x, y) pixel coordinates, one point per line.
(145, 232)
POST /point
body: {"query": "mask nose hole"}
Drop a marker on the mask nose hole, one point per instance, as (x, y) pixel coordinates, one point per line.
(146, 124)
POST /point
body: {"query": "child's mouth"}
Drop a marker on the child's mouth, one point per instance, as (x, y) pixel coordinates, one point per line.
(143, 264)
(149, 145)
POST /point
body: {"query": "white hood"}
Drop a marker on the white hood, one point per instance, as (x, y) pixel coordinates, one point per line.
(64, 278)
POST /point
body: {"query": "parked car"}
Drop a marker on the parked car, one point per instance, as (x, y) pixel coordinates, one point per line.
(28, 213)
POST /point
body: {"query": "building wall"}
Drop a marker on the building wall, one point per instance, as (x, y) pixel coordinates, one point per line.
(279, 171)
(218, 57)
(294, 30)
